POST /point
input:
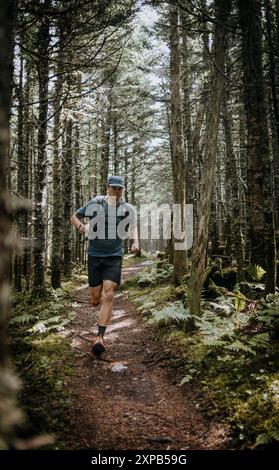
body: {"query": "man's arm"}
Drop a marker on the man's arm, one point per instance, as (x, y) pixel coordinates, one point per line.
(133, 235)
(78, 223)
(133, 228)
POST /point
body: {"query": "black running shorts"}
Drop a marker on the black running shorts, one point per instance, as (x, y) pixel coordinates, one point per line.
(104, 267)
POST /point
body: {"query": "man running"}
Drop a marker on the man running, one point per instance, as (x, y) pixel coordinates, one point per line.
(110, 220)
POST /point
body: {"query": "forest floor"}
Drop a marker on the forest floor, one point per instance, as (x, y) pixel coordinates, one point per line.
(139, 408)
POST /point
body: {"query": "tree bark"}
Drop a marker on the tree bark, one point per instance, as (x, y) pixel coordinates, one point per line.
(67, 197)
(56, 255)
(176, 127)
(260, 197)
(43, 42)
(9, 415)
(231, 170)
(187, 120)
(105, 148)
(77, 190)
(222, 9)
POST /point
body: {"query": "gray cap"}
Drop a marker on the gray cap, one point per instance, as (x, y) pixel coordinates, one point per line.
(116, 181)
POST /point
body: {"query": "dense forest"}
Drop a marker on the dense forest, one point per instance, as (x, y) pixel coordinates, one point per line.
(180, 98)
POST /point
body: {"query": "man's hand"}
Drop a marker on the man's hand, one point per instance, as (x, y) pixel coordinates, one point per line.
(82, 229)
(134, 248)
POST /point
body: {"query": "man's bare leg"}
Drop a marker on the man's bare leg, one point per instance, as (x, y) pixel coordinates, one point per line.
(109, 288)
(96, 294)
(105, 313)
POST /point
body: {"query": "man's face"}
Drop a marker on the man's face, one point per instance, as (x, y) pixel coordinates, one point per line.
(115, 191)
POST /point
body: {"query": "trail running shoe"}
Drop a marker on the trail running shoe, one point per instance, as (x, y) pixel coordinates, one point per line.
(98, 346)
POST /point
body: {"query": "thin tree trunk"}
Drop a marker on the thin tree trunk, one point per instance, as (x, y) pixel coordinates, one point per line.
(56, 258)
(22, 171)
(105, 149)
(231, 170)
(77, 191)
(9, 415)
(262, 232)
(27, 152)
(115, 145)
(274, 115)
(67, 197)
(222, 9)
(40, 172)
(187, 120)
(178, 163)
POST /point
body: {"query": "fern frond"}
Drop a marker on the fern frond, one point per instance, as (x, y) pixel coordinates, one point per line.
(256, 272)
(174, 312)
(260, 341)
(238, 345)
(24, 318)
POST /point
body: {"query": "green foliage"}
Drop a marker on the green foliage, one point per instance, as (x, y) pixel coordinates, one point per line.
(232, 355)
(44, 359)
(147, 280)
(45, 363)
(23, 318)
(31, 317)
(228, 323)
(187, 378)
(255, 272)
(56, 323)
(154, 277)
(146, 307)
(268, 309)
(258, 416)
(173, 313)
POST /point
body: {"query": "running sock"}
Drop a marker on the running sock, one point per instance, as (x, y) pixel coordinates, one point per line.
(101, 330)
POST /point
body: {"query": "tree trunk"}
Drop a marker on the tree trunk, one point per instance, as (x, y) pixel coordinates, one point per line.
(9, 415)
(77, 191)
(274, 115)
(105, 149)
(56, 258)
(67, 197)
(231, 170)
(115, 144)
(207, 180)
(43, 42)
(187, 120)
(28, 129)
(178, 164)
(22, 171)
(262, 232)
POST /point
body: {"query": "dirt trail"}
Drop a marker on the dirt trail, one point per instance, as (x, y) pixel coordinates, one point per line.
(135, 409)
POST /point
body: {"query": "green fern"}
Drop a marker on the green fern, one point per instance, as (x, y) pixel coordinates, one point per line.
(146, 307)
(214, 342)
(185, 380)
(265, 439)
(238, 345)
(53, 323)
(260, 341)
(256, 272)
(223, 305)
(173, 313)
(239, 301)
(24, 318)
